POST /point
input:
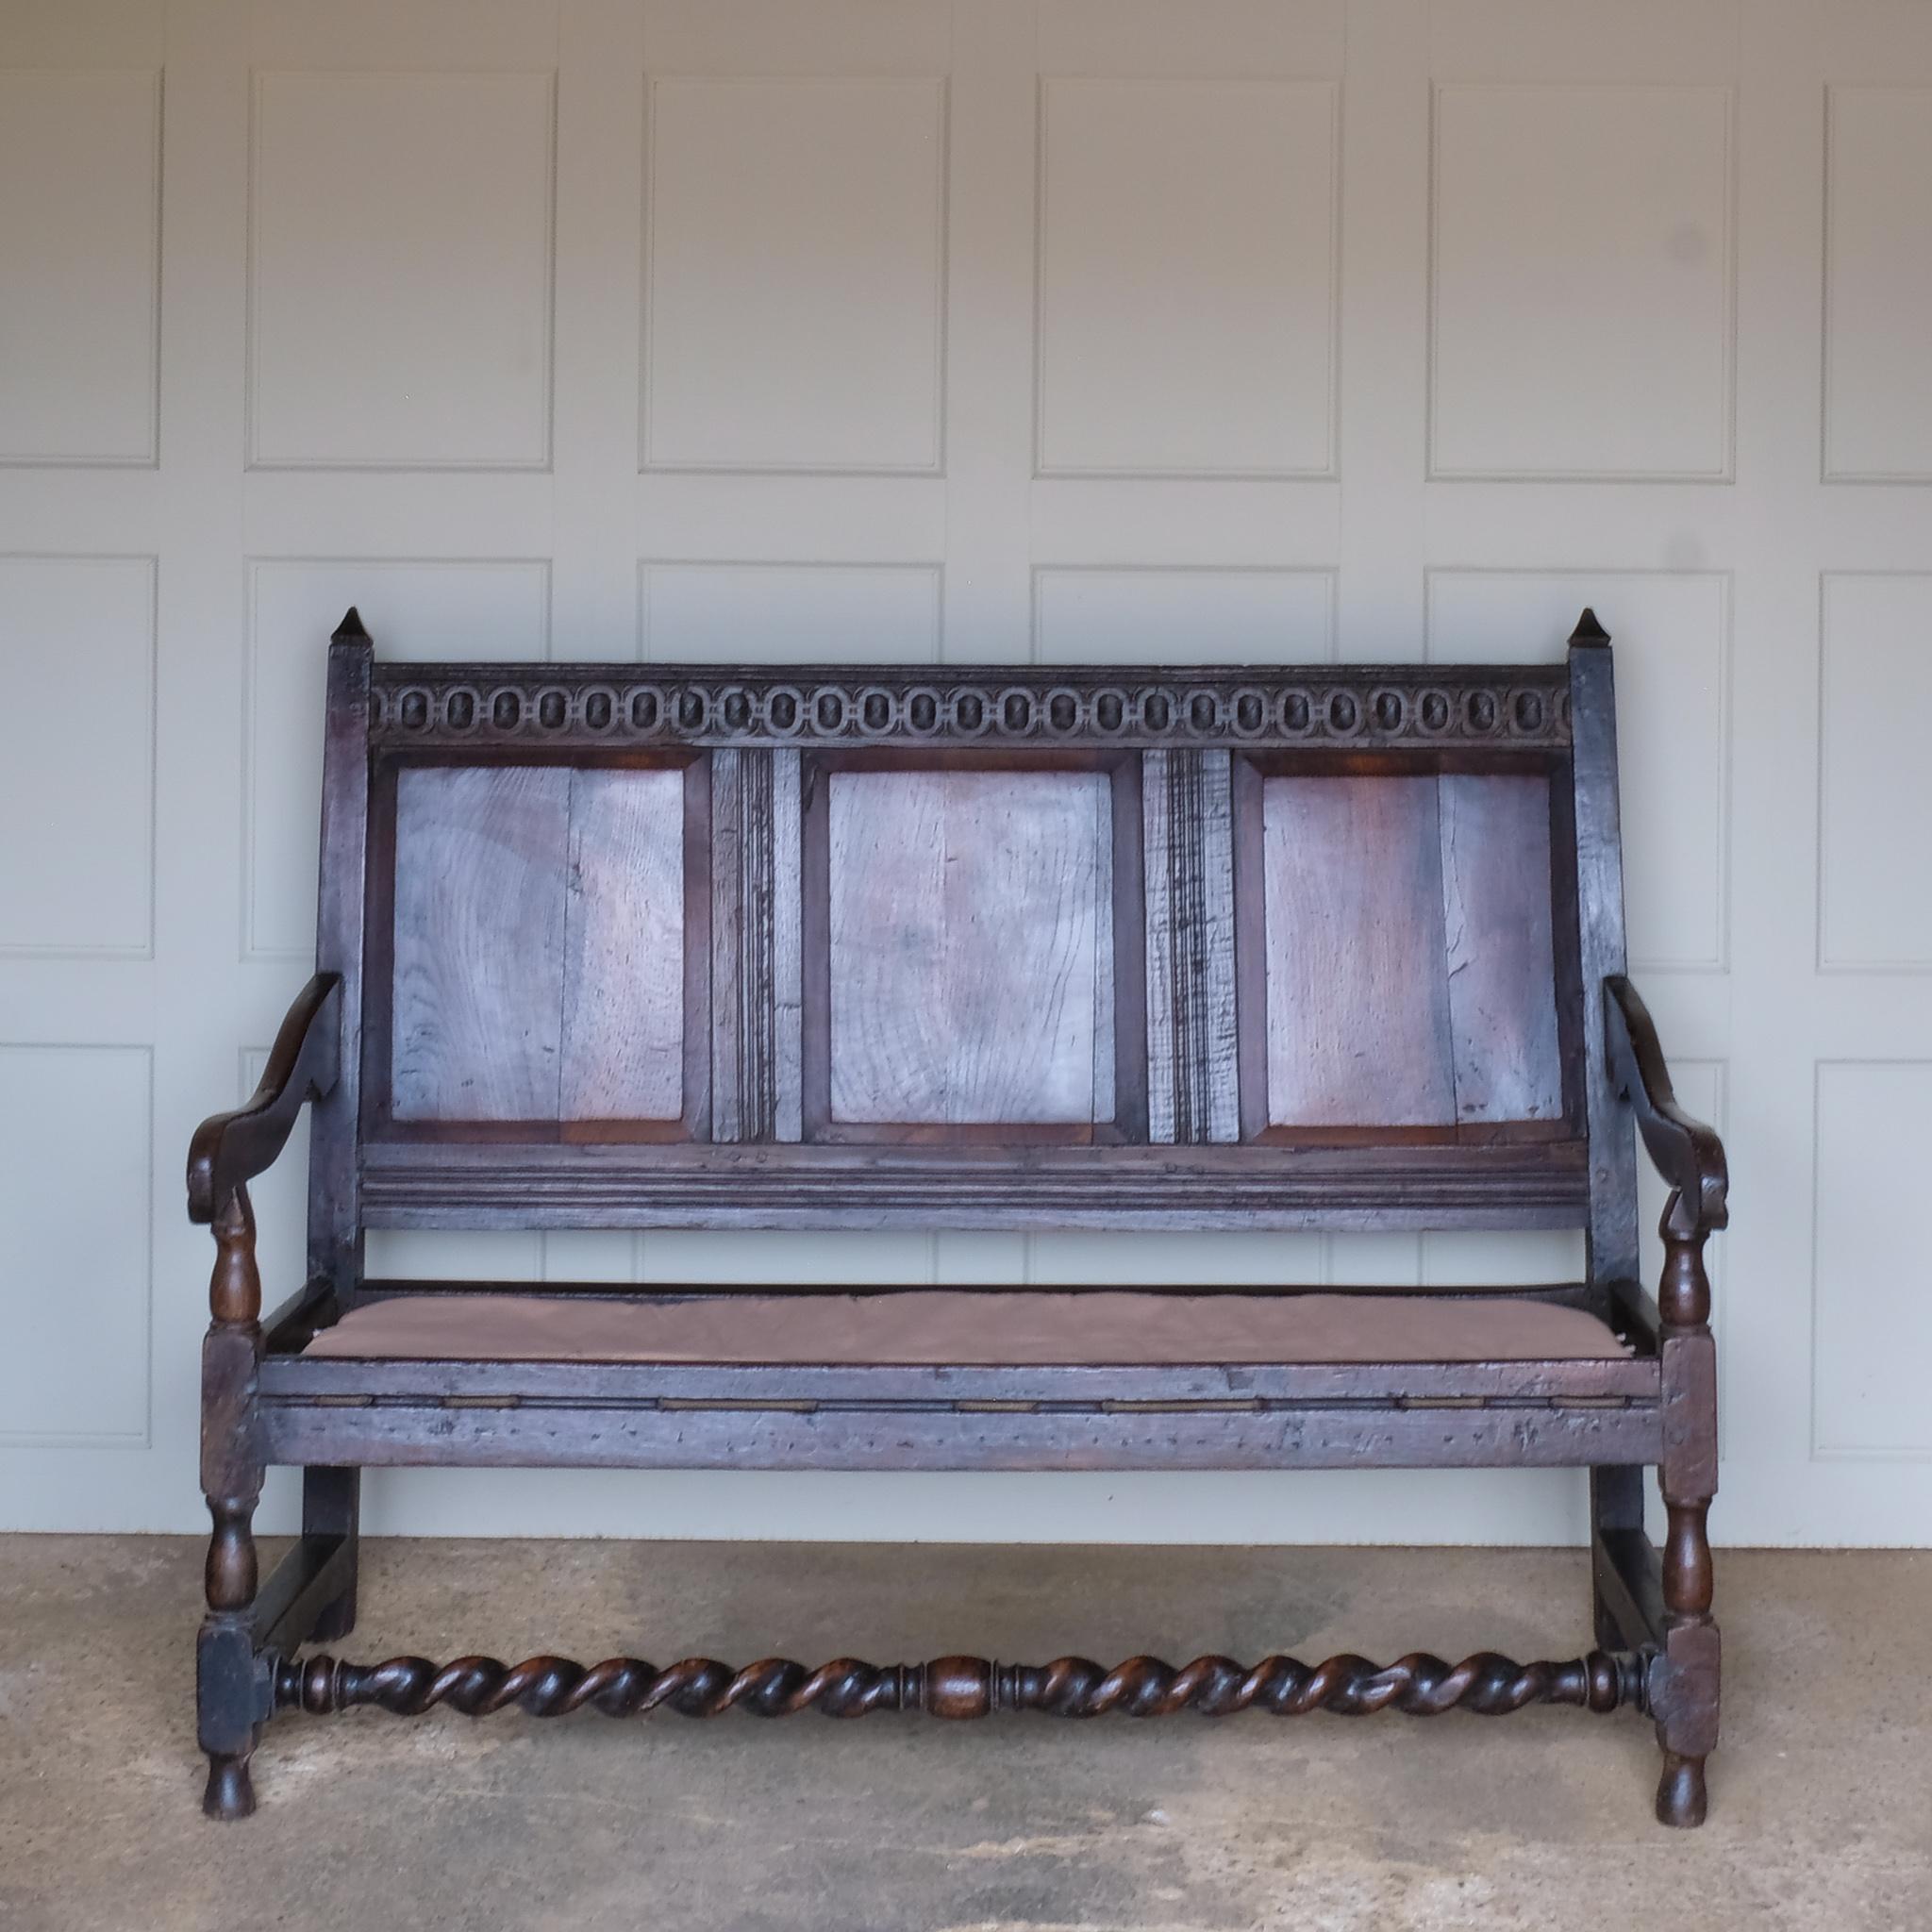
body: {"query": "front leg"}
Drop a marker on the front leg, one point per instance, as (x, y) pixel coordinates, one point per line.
(1689, 1673)
(228, 1696)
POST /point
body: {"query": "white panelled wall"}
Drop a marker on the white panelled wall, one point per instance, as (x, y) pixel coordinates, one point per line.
(1272, 329)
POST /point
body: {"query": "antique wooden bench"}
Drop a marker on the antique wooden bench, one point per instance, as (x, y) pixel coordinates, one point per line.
(610, 946)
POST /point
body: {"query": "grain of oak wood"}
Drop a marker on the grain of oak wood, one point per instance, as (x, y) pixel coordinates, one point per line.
(1500, 962)
(540, 944)
(972, 939)
(1410, 969)
(1357, 992)
(624, 1018)
(481, 858)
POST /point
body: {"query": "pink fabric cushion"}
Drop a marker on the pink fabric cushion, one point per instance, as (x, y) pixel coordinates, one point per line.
(970, 1325)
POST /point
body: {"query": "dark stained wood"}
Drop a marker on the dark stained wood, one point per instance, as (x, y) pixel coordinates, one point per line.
(1686, 1152)
(335, 1217)
(1358, 1015)
(1500, 960)
(1192, 1070)
(970, 929)
(1599, 876)
(480, 869)
(331, 1514)
(623, 1016)
(756, 992)
(299, 1378)
(571, 1435)
(1506, 710)
(231, 1475)
(1387, 1185)
(1006, 947)
(1131, 1096)
(230, 1149)
(957, 1688)
(1688, 1703)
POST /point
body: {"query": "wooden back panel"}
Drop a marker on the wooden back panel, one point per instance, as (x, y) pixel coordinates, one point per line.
(1011, 947)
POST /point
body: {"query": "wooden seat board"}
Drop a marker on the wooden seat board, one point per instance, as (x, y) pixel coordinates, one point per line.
(1018, 1327)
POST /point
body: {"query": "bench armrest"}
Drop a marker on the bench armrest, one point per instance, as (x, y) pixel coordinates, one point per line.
(230, 1149)
(1687, 1154)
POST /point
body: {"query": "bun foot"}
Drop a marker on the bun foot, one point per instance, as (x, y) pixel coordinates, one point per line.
(1680, 1794)
(231, 1790)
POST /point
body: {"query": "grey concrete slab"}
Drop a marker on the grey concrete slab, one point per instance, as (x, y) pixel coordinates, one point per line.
(1822, 1796)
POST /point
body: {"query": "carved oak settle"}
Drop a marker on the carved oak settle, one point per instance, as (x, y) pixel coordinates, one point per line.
(843, 947)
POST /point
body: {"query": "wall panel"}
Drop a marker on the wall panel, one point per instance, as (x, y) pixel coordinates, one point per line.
(967, 331)
(75, 1131)
(400, 269)
(1878, 285)
(1581, 294)
(1875, 900)
(80, 327)
(1875, 1142)
(1187, 278)
(76, 858)
(796, 269)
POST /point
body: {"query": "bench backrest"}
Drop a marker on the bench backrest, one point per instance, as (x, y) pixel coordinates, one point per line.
(842, 946)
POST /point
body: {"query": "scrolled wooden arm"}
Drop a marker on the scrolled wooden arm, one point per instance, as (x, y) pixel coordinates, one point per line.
(1688, 1154)
(230, 1149)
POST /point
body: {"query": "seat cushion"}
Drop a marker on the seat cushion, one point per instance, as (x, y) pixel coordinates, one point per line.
(965, 1326)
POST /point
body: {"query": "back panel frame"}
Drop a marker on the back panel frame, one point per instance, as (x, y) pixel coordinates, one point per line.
(1379, 719)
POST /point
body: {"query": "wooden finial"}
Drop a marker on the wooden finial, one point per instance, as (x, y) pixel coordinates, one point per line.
(350, 630)
(1588, 631)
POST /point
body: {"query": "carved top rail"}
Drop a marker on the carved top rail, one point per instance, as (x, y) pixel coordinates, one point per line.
(580, 708)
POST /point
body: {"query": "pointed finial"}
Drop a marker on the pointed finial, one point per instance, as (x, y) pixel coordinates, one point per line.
(1588, 631)
(350, 630)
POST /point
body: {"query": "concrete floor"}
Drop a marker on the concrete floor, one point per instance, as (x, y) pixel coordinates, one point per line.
(1820, 1800)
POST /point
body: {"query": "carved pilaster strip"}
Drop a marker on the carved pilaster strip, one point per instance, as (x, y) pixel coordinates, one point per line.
(755, 946)
(1191, 1079)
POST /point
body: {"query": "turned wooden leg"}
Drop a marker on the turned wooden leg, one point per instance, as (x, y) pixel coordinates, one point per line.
(228, 1705)
(226, 1698)
(1688, 1705)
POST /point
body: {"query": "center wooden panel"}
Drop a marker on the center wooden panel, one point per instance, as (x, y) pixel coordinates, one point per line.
(971, 942)
(1408, 955)
(538, 921)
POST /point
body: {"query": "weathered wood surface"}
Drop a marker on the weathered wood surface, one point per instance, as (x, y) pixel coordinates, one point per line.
(1188, 872)
(1633, 1378)
(567, 1435)
(230, 1149)
(477, 1017)
(958, 1184)
(1434, 709)
(335, 1218)
(1409, 938)
(1599, 875)
(970, 926)
(623, 1016)
(756, 992)
(1357, 992)
(539, 917)
(1496, 905)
